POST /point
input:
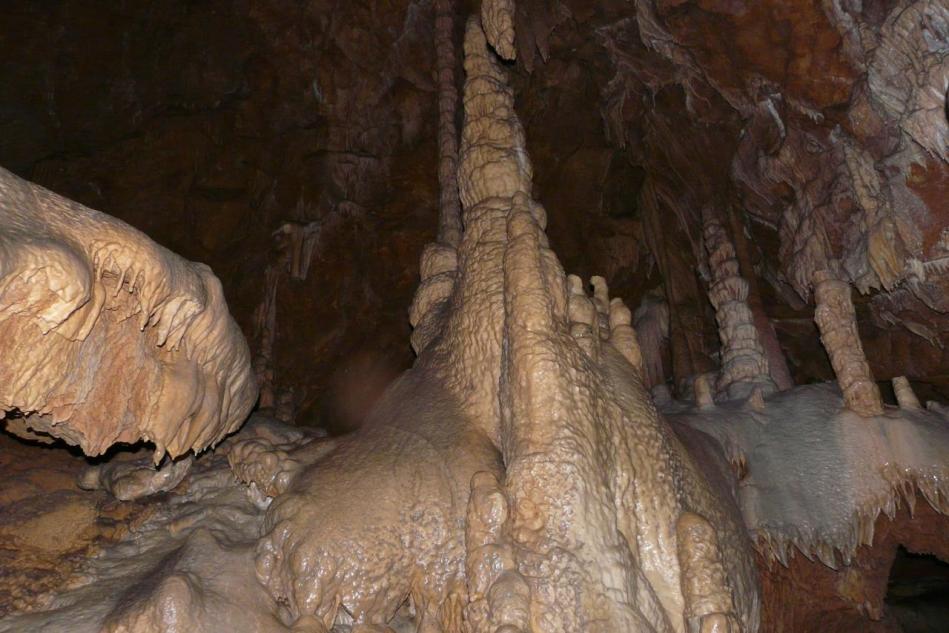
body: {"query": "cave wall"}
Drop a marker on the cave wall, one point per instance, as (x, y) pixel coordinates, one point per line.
(210, 125)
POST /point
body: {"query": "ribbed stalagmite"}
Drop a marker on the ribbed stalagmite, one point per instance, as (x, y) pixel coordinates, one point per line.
(574, 419)
(449, 207)
(744, 363)
(837, 321)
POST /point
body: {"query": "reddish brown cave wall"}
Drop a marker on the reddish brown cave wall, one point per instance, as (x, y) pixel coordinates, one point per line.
(809, 597)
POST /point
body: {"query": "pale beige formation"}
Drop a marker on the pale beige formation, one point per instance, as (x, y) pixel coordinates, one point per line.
(106, 336)
(744, 362)
(837, 322)
(497, 20)
(905, 395)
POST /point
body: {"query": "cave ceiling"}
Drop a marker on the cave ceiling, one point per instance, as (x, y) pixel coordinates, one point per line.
(292, 148)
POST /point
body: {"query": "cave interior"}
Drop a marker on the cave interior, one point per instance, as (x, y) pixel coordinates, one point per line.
(513, 316)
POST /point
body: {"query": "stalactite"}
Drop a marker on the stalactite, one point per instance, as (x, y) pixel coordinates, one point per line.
(265, 334)
(837, 322)
(302, 239)
(744, 364)
(497, 16)
(651, 321)
(689, 344)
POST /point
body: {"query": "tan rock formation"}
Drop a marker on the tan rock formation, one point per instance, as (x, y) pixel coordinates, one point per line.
(497, 17)
(744, 362)
(837, 322)
(108, 337)
(449, 206)
(581, 523)
(439, 261)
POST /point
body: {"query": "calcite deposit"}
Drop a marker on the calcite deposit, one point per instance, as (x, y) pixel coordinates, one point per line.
(107, 337)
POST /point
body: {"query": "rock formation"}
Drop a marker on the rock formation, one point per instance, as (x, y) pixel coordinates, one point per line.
(552, 538)
(107, 337)
(838, 332)
(744, 363)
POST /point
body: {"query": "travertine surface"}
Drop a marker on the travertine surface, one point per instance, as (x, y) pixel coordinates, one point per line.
(107, 337)
(179, 563)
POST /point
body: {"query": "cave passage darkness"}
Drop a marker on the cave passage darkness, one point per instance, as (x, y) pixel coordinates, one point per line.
(764, 183)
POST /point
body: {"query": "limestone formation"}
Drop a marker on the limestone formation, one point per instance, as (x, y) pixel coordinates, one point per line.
(107, 337)
(439, 261)
(135, 479)
(651, 322)
(519, 477)
(265, 335)
(449, 214)
(744, 363)
(837, 322)
(561, 534)
(497, 16)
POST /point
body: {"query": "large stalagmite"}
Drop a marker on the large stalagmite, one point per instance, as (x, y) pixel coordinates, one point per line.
(106, 336)
(599, 519)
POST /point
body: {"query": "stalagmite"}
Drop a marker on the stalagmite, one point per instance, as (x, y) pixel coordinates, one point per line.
(837, 322)
(777, 363)
(570, 398)
(579, 524)
(904, 393)
(702, 389)
(744, 363)
(84, 298)
(439, 264)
